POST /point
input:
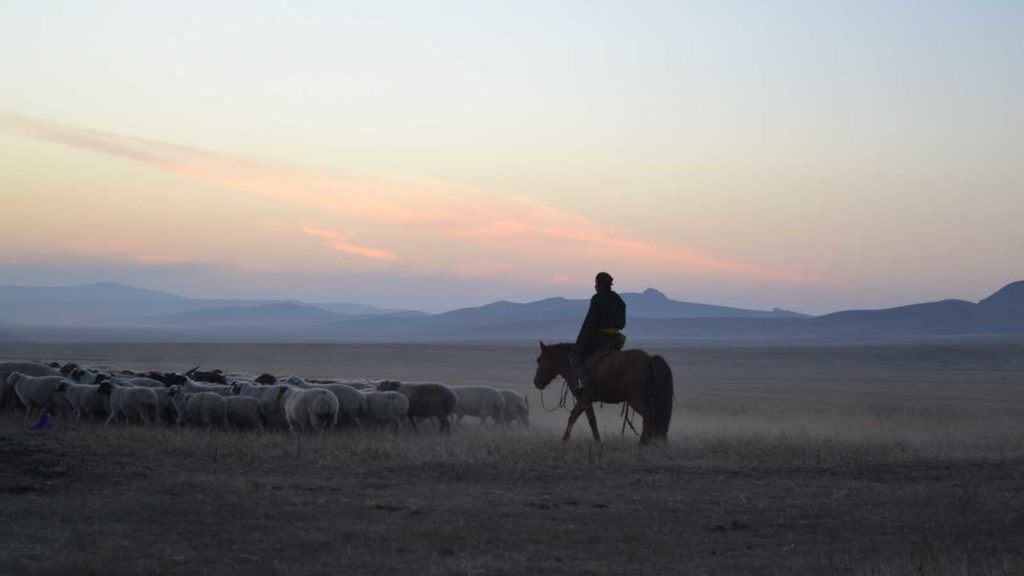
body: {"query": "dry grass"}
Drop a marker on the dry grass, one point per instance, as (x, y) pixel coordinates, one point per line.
(779, 463)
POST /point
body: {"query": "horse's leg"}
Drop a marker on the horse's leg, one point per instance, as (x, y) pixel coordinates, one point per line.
(592, 419)
(576, 411)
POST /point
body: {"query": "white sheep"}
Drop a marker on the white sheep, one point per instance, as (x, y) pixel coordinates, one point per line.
(358, 383)
(85, 375)
(517, 407)
(243, 413)
(314, 408)
(126, 401)
(386, 407)
(351, 403)
(271, 406)
(206, 408)
(7, 394)
(36, 391)
(84, 399)
(481, 401)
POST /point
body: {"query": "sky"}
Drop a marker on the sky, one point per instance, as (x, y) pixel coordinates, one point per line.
(813, 156)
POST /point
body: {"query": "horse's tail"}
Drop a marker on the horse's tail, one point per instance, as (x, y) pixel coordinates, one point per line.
(660, 396)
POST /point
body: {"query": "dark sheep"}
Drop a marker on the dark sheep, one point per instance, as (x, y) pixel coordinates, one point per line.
(212, 377)
(266, 379)
(426, 400)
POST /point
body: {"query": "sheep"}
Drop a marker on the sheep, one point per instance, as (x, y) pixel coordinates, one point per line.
(137, 382)
(199, 387)
(271, 408)
(205, 408)
(426, 400)
(243, 413)
(7, 395)
(481, 401)
(386, 407)
(86, 376)
(36, 391)
(296, 381)
(213, 377)
(517, 407)
(166, 411)
(358, 384)
(314, 408)
(84, 399)
(266, 378)
(168, 378)
(351, 403)
(126, 401)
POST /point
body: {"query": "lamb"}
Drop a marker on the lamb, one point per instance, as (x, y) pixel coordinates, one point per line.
(426, 400)
(126, 401)
(7, 395)
(517, 408)
(481, 401)
(386, 407)
(84, 399)
(351, 403)
(314, 408)
(205, 408)
(243, 413)
(36, 391)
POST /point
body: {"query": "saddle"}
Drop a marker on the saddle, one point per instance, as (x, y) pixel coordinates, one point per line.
(590, 362)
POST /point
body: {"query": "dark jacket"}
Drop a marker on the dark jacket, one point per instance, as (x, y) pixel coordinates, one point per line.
(607, 310)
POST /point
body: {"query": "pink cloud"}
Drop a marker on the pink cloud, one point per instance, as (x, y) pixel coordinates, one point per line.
(441, 226)
(339, 243)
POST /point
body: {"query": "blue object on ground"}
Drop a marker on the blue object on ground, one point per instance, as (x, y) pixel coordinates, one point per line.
(45, 422)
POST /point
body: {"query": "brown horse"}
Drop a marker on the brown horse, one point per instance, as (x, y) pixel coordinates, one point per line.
(632, 376)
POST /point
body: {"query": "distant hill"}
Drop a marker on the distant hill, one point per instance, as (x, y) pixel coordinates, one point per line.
(98, 292)
(108, 304)
(280, 314)
(156, 316)
(1009, 298)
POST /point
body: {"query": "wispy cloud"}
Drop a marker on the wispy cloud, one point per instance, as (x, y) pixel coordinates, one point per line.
(339, 243)
(441, 226)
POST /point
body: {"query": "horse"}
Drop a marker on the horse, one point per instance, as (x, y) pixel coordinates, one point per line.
(641, 380)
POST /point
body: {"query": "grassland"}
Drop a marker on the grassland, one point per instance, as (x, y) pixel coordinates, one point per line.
(783, 460)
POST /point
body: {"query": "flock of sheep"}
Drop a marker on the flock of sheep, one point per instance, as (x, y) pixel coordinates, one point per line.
(237, 400)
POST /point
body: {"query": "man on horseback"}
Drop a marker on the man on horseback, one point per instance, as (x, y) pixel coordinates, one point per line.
(600, 332)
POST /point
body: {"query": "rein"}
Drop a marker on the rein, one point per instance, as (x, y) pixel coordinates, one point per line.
(561, 402)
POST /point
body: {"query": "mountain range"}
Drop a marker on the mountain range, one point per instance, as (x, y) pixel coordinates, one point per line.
(117, 312)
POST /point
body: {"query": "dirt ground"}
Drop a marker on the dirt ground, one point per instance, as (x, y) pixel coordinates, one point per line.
(909, 461)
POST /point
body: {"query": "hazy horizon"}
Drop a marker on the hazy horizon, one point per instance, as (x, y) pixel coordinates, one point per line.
(808, 156)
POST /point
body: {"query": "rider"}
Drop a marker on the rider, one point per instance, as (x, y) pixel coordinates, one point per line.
(605, 318)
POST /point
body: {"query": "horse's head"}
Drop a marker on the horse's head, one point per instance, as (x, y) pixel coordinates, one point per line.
(553, 361)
